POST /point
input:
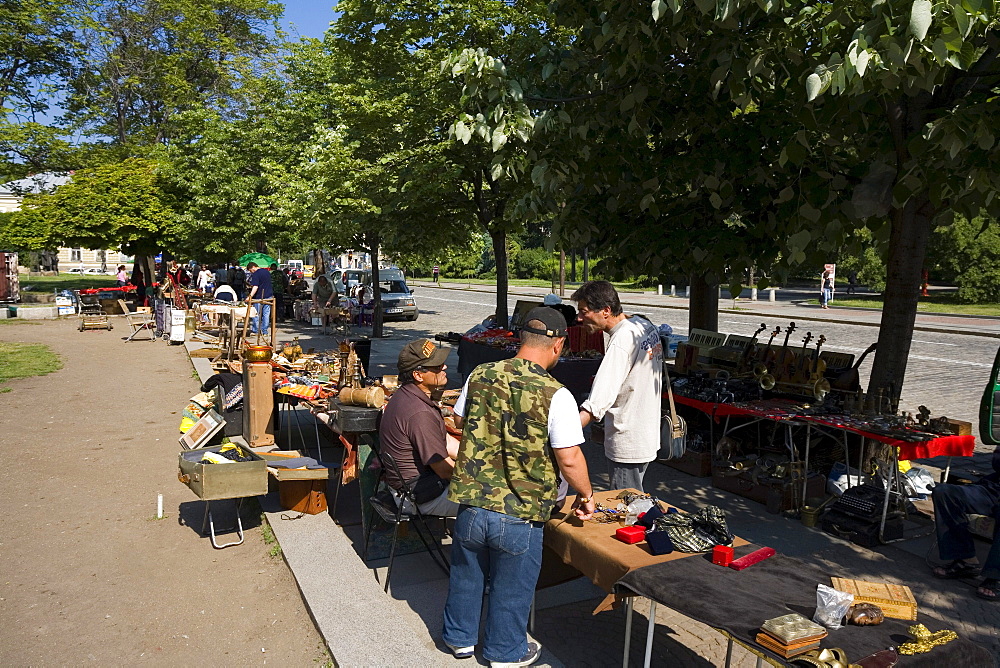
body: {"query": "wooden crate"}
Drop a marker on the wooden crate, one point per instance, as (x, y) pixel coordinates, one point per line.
(895, 600)
(698, 464)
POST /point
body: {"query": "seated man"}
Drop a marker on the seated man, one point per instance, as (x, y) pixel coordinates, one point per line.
(955, 543)
(413, 432)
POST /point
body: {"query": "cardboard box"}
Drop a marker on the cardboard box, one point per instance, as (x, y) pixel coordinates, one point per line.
(895, 600)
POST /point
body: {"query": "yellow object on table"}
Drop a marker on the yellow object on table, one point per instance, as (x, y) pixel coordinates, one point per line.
(925, 640)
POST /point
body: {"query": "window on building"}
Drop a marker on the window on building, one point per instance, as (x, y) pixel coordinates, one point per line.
(75, 254)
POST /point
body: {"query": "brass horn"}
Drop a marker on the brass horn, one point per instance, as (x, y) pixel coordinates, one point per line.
(759, 370)
(767, 381)
(821, 388)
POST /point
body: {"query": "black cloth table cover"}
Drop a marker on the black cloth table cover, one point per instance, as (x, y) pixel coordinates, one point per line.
(577, 374)
(738, 602)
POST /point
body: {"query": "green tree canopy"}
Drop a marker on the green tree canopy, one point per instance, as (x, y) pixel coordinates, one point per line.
(114, 205)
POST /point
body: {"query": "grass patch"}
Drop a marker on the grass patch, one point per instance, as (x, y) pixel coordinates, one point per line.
(45, 286)
(267, 533)
(18, 321)
(935, 304)
(23, 360)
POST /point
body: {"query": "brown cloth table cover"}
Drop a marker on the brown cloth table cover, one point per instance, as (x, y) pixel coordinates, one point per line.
(737, 602)
(591, 548)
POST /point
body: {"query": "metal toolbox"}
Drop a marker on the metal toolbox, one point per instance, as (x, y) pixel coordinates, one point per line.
(222, 481)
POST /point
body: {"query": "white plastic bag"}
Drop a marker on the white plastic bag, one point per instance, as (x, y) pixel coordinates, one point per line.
(831, 606)
(840, 479)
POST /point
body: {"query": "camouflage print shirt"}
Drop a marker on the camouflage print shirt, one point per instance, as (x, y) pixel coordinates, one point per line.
(505, 462)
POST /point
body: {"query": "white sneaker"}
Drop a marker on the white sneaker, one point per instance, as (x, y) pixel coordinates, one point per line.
(534, 651)
(462, 652)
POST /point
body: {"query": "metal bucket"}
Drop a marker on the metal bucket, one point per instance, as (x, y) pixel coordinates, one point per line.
(811, 510)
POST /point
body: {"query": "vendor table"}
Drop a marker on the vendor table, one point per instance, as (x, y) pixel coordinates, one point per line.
(783, 411)
(348, 422)
(735, 603)
(576, 373)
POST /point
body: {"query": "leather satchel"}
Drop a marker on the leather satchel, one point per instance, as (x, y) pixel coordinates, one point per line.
(673, 431)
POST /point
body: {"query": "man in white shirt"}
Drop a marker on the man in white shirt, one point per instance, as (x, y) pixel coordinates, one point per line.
(627, 386)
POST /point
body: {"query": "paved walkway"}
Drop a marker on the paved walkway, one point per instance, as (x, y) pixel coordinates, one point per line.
(363, 626)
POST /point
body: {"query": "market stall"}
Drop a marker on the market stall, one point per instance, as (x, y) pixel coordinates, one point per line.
(769, 422)
(736, 588)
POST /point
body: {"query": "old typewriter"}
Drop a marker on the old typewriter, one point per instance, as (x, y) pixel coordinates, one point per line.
(863, 501)
(857, 515)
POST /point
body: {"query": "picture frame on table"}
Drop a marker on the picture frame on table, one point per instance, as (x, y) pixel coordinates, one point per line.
(203, 430)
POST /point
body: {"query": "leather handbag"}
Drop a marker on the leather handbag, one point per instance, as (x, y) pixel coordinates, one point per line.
(673, 431)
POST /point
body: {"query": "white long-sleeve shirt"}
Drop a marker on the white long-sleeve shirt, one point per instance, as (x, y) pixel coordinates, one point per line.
(627, 388)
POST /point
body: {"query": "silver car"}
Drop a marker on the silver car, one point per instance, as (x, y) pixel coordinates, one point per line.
(397, 298)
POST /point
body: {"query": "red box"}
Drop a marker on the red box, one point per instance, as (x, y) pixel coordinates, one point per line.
(632, 534)
(722, 555)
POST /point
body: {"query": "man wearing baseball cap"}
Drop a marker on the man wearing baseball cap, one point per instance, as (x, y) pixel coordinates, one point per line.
(520, 432)
(412, 429)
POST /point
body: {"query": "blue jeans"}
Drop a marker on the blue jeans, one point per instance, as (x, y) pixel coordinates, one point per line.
(262, 321)
(951, 504)
(826, 296)
(506, 552)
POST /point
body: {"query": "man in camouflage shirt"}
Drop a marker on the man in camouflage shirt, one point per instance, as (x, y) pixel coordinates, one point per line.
(520, 432)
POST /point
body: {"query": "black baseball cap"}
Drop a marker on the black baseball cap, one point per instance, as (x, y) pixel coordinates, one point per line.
(554, 321)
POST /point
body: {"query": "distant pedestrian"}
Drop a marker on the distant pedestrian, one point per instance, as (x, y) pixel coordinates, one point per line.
(437, 274)
(278, 286)
(238, 281)
(260, 288)
(221, 275)
(206, 279)
(852, 282)
(121, 277)
(826, 289)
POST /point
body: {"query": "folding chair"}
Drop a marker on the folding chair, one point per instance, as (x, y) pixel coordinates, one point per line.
(395, 514)
(139, 321)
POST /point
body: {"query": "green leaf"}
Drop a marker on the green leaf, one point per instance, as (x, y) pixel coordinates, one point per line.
(498, 141)
(862, 63)
(920, 18)
(961, 20)
(659, 9)
(715, 200)
(813, 86)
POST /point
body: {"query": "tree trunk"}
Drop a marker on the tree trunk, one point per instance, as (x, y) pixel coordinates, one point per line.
(376, 291)
(572, 266)
(317, 262)
(500, 255)
(703, 308)
(586, 264)
(911, 229)
(562, 272)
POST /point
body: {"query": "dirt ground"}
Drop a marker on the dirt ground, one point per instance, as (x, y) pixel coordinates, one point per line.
(90, 576)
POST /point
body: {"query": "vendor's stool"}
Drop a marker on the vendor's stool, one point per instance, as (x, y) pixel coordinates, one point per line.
(393, 513)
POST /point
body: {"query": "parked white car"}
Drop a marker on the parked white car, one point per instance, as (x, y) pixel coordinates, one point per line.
(74, 270)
